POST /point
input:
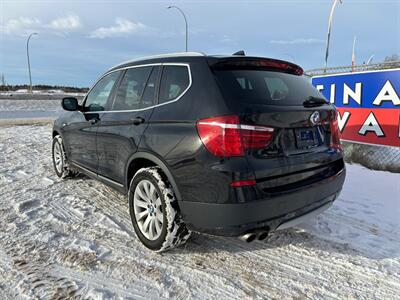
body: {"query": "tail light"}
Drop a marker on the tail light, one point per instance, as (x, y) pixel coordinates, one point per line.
(335, 138)
(273, 64)
(241, 183)
(226, 137)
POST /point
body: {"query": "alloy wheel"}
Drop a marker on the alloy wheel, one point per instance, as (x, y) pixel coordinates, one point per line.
(58, 157)
(148, 210)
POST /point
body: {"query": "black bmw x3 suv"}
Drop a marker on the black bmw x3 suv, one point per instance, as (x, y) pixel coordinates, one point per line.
(226, 145)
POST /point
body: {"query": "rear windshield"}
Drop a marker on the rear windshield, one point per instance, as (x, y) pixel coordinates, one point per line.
(265, 87)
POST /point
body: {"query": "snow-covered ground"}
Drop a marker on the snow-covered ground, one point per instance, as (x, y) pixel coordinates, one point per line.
(29, 104)
(13, 111)
(74, 238)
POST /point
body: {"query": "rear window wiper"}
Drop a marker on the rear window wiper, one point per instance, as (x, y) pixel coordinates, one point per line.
(314, 101)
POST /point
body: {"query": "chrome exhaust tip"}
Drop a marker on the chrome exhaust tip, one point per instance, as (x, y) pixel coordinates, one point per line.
(248, 237)
(262, 235)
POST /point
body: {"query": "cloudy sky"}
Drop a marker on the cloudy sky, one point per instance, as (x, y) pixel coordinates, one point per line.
(78, 40)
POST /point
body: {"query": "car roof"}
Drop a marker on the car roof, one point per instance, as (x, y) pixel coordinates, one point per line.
(168, 57)
(186, 57)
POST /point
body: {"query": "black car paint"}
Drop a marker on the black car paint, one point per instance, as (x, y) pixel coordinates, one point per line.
(105, 145)
(80, 132)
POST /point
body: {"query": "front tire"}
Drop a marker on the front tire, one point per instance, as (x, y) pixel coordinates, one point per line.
(154, 211)
(60, 163)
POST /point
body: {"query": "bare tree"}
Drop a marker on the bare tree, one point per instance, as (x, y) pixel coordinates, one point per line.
(393, 57)
(3, 83)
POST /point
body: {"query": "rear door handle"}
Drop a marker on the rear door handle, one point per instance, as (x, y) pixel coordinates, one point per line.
(137, 121)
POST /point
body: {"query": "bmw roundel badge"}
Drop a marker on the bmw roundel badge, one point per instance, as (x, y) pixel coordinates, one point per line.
(315, 117)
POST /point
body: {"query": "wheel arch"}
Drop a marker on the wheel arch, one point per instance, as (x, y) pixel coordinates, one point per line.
(55, 132)
(145, 159)
(58, 131)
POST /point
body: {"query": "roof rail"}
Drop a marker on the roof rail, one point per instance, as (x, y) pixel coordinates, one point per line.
(161, 56)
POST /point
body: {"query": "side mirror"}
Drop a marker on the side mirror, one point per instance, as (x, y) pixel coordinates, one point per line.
(70, 104)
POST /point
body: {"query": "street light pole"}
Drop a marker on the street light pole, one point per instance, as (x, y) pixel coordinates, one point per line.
(29, 63)
(186, 23)
(353, 55)
(370, 59)
(329, 31)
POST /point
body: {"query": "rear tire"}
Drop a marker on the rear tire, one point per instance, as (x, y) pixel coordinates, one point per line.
(60, 162)
(154, 211)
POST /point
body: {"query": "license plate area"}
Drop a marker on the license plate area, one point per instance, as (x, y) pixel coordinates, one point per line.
(307, 137)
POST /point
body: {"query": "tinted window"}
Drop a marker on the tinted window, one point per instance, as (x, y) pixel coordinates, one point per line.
(150, 90)
(174, 81)
(277, 88)
(131, 88)
(265, 87)
(97, 98)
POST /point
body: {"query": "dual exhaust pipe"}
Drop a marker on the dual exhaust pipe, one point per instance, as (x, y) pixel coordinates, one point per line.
(251, 236)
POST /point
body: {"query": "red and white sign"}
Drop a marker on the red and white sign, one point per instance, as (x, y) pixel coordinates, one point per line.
(368, 104)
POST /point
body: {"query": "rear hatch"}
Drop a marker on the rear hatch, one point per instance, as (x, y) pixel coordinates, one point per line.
(304, 148)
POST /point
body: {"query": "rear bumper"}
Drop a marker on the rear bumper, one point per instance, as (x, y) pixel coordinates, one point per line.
(236, 219)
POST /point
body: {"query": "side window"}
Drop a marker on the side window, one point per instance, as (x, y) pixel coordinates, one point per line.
(98, 96)
(174, 81)
(131, 88)
(277, 88)
(150, 89)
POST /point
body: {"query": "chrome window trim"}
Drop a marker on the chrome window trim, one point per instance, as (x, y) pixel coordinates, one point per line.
(166, 55)
(146, 108)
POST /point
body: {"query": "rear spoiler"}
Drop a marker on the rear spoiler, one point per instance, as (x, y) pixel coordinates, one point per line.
(255, 63)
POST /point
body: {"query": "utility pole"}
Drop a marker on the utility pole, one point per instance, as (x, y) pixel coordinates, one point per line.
(29, 63)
